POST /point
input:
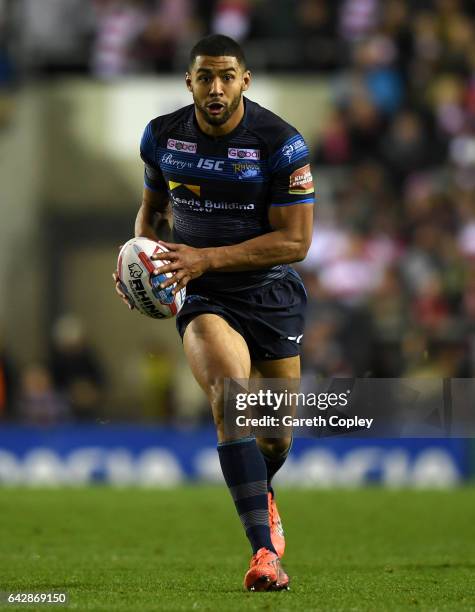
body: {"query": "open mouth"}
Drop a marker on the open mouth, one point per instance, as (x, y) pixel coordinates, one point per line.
(215, 107)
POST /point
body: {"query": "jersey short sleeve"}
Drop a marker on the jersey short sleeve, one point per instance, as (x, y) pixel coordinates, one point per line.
(153, 177)
(292, 181)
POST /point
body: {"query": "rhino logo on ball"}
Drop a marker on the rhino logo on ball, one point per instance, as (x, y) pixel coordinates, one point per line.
(135, 270)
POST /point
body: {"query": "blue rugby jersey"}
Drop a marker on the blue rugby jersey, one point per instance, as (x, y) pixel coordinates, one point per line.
(220, 189)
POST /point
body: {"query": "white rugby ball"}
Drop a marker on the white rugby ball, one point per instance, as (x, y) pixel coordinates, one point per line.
(135, 269)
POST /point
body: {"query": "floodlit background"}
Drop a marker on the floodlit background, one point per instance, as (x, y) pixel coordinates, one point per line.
(384, 93)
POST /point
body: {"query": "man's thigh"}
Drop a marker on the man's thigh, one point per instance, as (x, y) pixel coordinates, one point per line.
(215, 351)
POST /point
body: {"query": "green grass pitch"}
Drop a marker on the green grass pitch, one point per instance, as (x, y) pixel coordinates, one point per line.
(183, 549)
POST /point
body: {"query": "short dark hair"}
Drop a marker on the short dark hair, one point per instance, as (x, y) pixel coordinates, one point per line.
(217, 45)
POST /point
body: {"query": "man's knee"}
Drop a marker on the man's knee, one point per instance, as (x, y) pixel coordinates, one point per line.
(274, 447)
(215, 393)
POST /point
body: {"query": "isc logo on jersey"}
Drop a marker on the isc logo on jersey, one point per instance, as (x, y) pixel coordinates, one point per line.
(244, 154)
(181, 145)
(210, 164)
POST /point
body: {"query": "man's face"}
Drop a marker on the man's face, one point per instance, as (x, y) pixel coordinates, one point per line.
(217, 84)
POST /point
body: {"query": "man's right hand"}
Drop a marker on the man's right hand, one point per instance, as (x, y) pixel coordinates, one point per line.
(120, 293)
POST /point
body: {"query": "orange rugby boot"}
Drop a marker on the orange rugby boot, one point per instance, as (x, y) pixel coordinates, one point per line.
(276, 530)
(265, 573)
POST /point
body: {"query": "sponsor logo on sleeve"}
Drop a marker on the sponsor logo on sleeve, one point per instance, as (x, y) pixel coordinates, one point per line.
(301, 181)
(181, 145)
(289, 150)
(244, 153)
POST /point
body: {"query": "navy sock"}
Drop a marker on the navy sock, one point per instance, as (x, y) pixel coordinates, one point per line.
(245, 473)
(273, 465)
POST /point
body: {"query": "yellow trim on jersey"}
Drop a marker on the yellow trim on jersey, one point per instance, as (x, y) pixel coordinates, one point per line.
(301, 191)
(196, 189)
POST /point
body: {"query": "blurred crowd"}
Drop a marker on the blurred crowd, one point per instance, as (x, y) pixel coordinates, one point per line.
(391, 272)
(71, 383)
(395, 41)
(68, 386)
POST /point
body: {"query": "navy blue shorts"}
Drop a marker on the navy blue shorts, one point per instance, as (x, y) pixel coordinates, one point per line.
(269, 318)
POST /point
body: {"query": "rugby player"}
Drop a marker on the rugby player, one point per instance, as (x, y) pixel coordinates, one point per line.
(237, 180)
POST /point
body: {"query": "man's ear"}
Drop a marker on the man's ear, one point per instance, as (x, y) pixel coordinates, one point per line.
(188, 81)
(246, 80)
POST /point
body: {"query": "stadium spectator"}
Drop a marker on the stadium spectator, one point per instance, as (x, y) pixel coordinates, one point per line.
(119, 25)
(375, 61)
(365, 127)
(76, 370)
(39, 402)
(8, 71)
(136, 36)
(358, 18)
(319, 47)
(170, 25)
(157, 368)
(53, 35)
(333, 145)
(232, 18)
(8, 383)
(404, 147)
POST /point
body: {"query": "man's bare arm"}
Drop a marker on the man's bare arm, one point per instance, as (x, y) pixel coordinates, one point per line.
(154, 216)
(288, 242)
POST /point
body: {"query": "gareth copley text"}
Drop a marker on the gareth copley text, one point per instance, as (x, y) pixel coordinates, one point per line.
(272, 400)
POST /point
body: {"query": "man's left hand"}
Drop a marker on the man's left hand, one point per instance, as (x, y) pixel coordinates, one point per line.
(185, 263)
